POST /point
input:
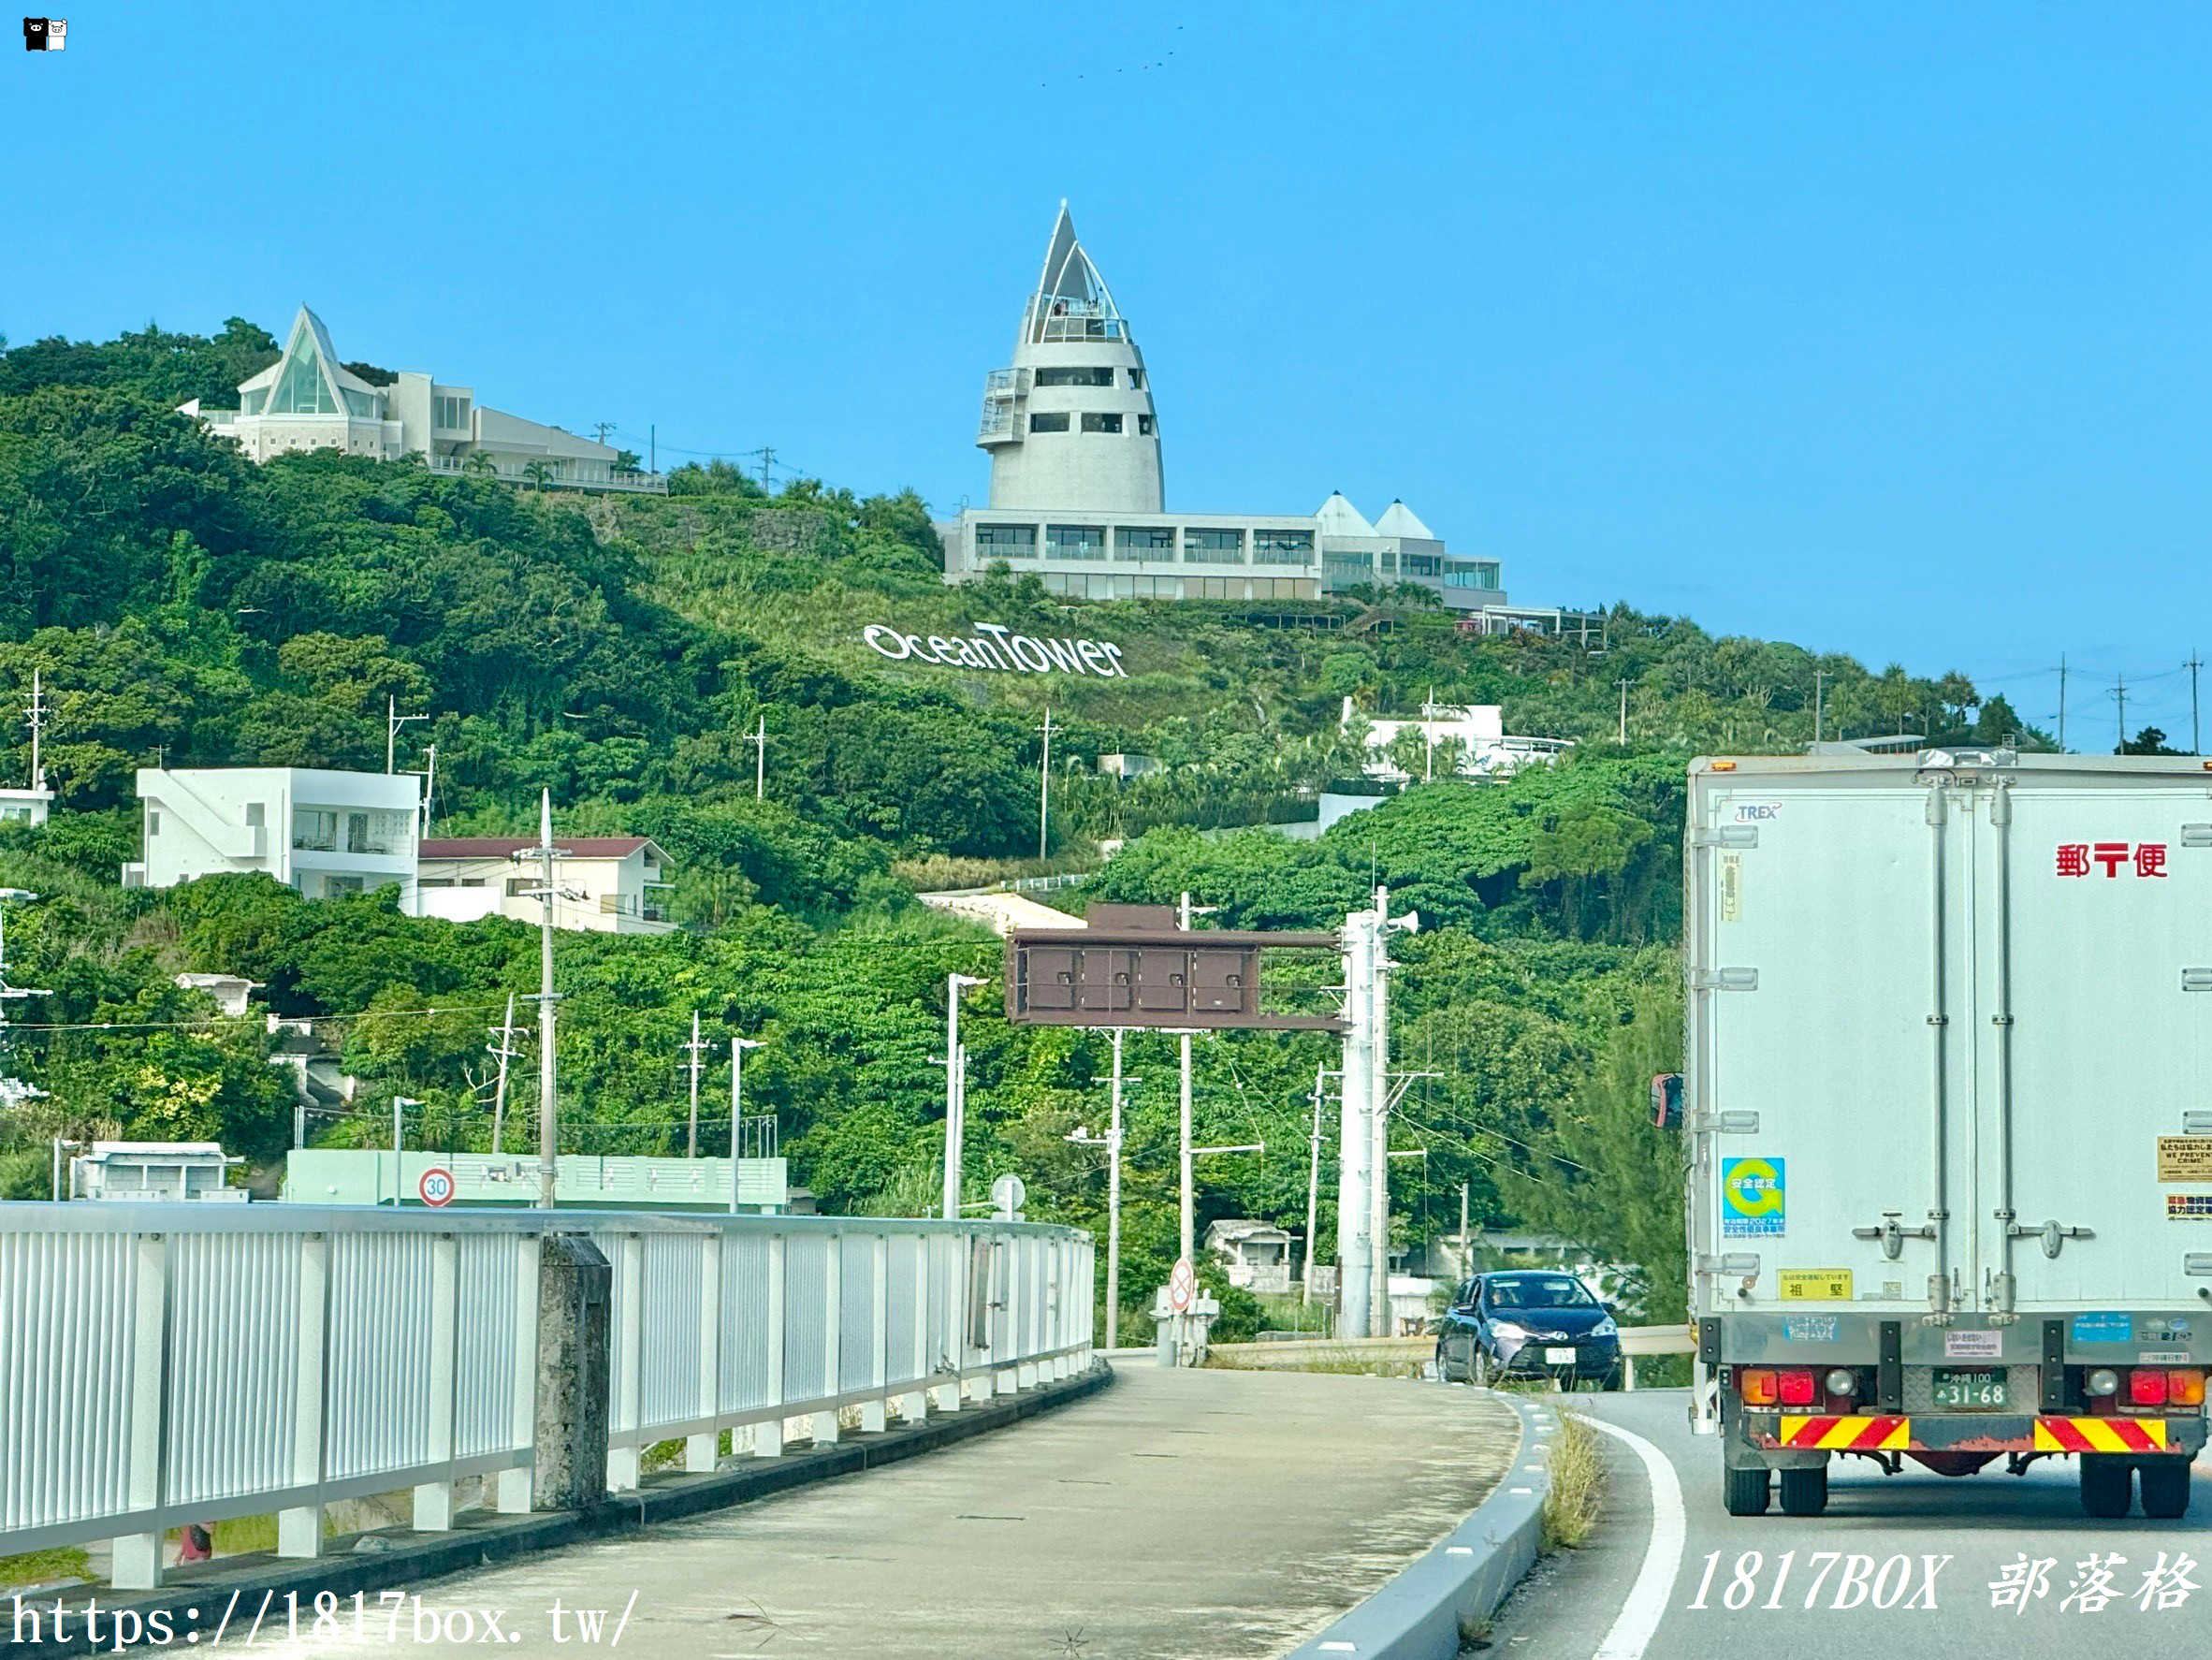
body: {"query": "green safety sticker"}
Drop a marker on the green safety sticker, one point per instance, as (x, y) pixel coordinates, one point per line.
(1755, 1198)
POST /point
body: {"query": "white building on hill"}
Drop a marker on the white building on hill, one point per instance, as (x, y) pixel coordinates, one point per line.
(606, 884)
(1076, 496)
(322, 832)
(1468, 737)
(308, 399)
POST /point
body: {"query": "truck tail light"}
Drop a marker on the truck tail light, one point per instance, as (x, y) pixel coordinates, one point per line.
(2146, 1387)
(2102, 1381)
(1756, 1385)
(2185, 1387)
(1843, 1381)
(1795, 1383)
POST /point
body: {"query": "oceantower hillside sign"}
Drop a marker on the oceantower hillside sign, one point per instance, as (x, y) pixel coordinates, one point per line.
(995, 647)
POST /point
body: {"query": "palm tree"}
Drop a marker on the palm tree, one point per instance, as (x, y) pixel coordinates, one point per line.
(480, 463)
(539, 474)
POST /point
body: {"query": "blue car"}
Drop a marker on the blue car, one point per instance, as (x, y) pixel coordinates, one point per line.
(1528, 1323)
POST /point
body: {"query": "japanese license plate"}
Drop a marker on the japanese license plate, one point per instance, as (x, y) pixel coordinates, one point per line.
(1969, 1390)
(1559, 1357)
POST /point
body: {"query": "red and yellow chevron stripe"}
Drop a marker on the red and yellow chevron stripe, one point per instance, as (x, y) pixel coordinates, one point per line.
(2100, 1434)
(1842, 1434)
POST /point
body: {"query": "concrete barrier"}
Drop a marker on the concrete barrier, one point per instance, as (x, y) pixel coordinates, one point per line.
(1420, 1613)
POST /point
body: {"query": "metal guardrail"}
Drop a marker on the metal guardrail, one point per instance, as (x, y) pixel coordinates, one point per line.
(1293, 1353)
(161, 1364)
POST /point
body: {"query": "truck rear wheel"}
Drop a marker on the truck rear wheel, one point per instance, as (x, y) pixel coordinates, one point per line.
(1805, 1493)
(2165, 1487)
(1744, 1492)
(2105, 1478)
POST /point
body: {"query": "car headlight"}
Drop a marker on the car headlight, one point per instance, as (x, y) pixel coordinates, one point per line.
(1605, 1328)
(1507, 1329)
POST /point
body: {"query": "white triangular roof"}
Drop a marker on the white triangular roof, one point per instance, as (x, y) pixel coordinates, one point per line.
(1068, 274)
(1339, 517)
(308, 328)
(1399, 520)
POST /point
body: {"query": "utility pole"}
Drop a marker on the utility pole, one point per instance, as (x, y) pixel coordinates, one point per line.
(768, 457)
(1623, 684)
(2119, 691)
(2061, 702)
(1312, 1187)
(393, 720)
(737, 1048)
(653, 445)
(1044, 788)
(1820, 685)
(602, 428)
(430, 790)
(1466, 1256)
(503, 1049)
(549, 1139)
(37, 714)
(1379, 1307)
(2196, 731)
(759, 740)
(1113, 1202)
(697, 1049)
(399, 1104)
(1355, 1143)
(956, 1092)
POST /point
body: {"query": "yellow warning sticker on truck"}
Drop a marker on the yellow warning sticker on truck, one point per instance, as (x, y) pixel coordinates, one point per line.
(2185, 1158)
(1817, 1285)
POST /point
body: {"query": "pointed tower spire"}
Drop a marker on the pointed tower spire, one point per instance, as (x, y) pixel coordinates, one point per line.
(1071, 425)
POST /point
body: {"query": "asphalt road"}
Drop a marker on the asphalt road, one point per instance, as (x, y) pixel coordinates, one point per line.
(1573, 1607)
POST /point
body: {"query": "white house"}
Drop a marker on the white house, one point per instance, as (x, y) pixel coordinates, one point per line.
(1474, 733)
(322, 832)
(308, 399)
(609, 884)
(1257, 1254)
(25, 806)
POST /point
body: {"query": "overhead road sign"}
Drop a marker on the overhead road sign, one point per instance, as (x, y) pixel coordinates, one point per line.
(1133, 967)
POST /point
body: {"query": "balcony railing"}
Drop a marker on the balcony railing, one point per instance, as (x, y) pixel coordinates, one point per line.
(508, 471)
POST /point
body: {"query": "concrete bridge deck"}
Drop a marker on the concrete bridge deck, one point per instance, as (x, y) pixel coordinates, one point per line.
(1175, 1514)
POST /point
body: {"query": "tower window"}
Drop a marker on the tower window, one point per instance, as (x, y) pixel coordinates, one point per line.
(1143, 541)
(1145, 426)
(1136, 379)
(1075, 377)
(1102, 423)
(1048, 423)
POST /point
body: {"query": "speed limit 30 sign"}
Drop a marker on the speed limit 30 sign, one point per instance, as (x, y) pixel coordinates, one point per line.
(436, 1186)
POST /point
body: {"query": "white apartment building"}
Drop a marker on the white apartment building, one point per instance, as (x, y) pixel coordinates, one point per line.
(1076, 497)
(608, 884)
(308, 399)
(322, 832)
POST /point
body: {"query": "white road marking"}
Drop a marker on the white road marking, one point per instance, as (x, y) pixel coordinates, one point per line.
(1640, 1618)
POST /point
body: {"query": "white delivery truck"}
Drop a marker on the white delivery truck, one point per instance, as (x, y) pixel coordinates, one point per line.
(1949, 1102)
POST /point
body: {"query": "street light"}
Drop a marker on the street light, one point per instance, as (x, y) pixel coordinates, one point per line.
(956, 1092)
(737, 1048)
(1110, 1140)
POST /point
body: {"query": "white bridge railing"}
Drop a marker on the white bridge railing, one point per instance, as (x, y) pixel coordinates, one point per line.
(164, 1364)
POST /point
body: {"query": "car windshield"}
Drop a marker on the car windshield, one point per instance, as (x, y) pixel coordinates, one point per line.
(1537, 1291)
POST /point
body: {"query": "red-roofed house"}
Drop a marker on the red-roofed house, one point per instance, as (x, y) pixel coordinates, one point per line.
(610, 883)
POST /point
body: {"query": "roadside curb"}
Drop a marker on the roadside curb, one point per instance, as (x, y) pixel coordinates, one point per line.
(401, 1559)
(1417, 1615)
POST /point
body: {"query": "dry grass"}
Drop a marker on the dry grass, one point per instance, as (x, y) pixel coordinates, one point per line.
(1577, 1485)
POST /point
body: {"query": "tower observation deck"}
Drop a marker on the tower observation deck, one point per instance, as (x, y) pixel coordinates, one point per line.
(1070, 423)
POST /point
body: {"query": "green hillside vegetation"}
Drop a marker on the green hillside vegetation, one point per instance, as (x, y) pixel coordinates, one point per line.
(186, 605)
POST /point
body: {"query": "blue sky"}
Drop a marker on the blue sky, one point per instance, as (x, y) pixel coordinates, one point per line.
(1882, 332)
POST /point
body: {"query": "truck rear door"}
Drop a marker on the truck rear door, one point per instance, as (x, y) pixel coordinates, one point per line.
(2093, 934)
(1821, 974)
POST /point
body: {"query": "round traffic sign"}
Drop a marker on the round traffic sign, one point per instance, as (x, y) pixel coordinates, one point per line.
(1182, 1287)
(436, 1185)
